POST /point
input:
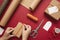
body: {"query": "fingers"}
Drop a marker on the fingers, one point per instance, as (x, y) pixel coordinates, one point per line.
(23, 27)
(26, 27)
(29, 27)
(26, 31)
(11, 36)
(8, 32)
(9, 29)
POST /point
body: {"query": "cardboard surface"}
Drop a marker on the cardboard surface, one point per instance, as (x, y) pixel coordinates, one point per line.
(20, 15)
(55, 15)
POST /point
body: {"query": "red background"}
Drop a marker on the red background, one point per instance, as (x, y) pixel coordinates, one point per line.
(20, 16)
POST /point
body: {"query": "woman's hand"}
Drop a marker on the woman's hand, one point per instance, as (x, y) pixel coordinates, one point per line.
(26, 31)
(7, 34)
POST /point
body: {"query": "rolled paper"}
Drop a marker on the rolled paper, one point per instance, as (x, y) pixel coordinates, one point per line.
(18, 30)
(9, 12)
(34, 5)
(3, 6)
(32, 17)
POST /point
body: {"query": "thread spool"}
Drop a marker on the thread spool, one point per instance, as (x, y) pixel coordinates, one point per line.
(32, 17)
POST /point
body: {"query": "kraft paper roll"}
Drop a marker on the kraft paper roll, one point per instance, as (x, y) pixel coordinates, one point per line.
(18, 30)
(27, 3)
(19, 33)
(3, 6)
(9, 12)
(34, 4)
